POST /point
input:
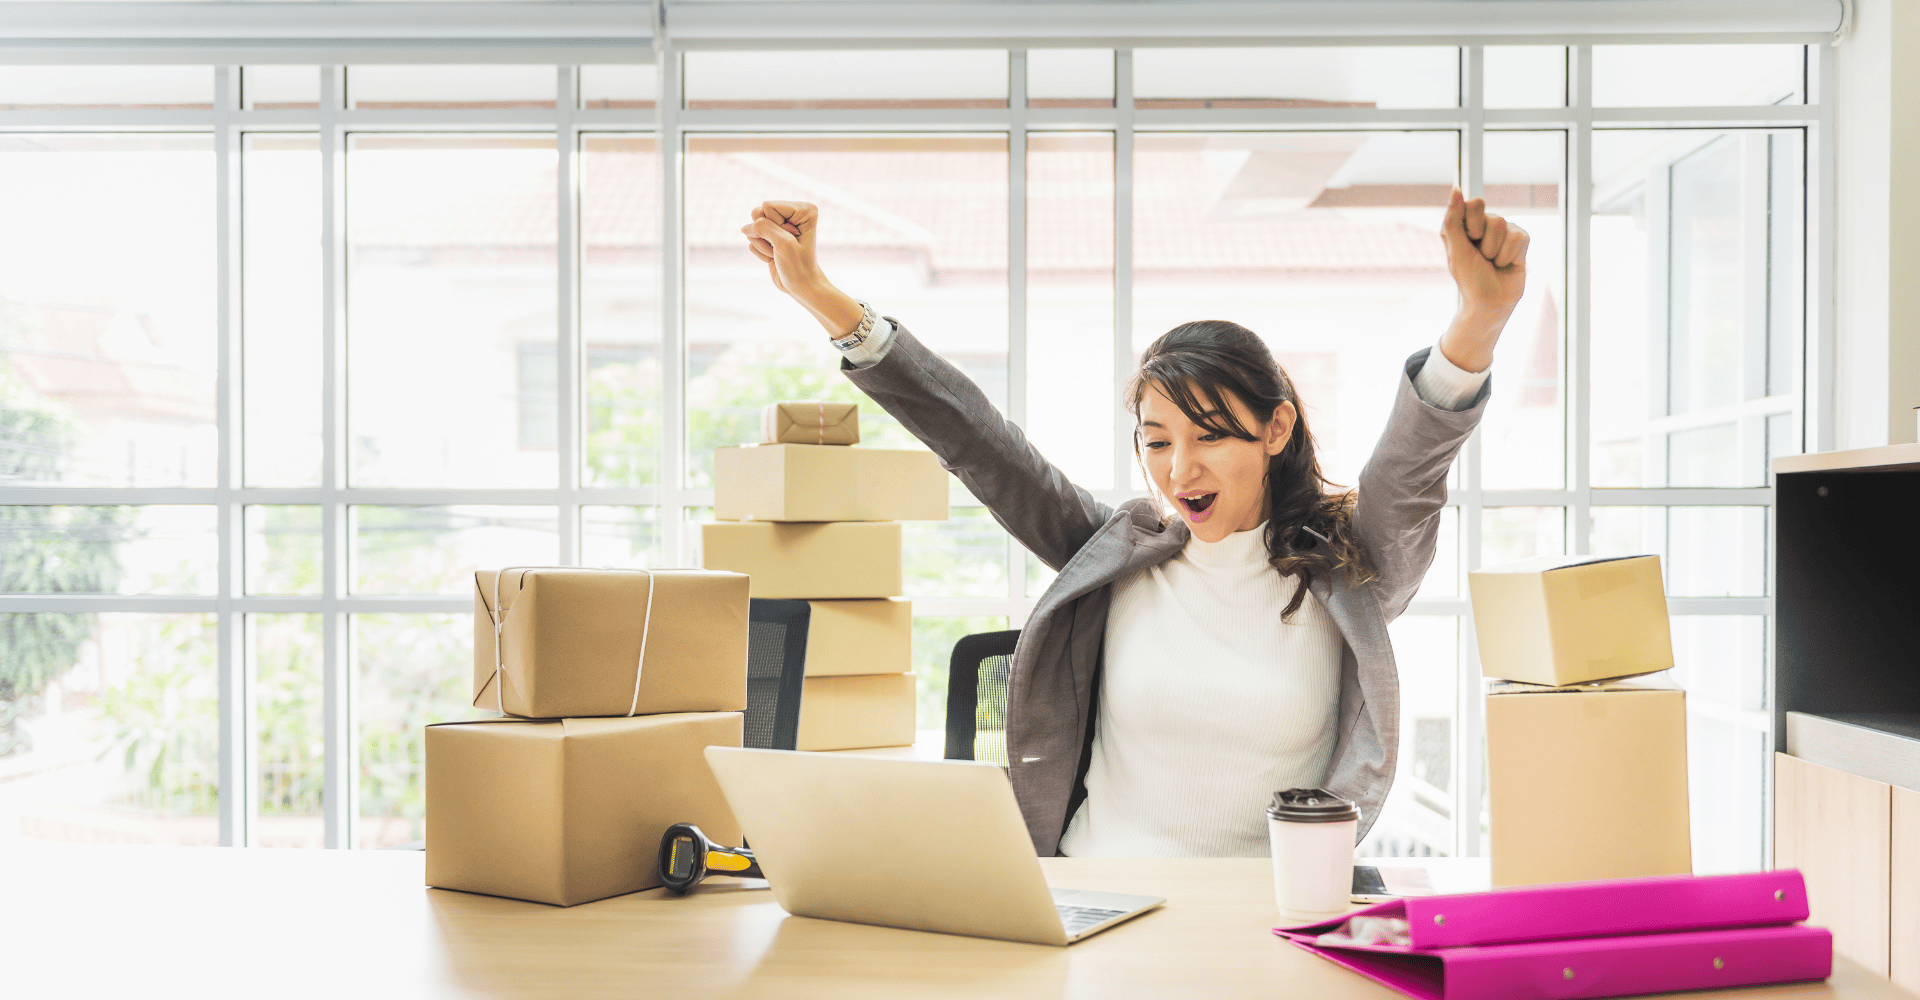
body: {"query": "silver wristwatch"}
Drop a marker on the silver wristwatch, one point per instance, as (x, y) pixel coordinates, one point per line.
(859, 334)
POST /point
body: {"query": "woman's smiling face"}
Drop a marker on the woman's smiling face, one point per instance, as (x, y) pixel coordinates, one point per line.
(1215, 480)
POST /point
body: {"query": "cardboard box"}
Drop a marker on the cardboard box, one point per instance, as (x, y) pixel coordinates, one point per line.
(807, 482)
(1571, 619)
(847, 713)
(807, 561)
(860, 637)
(810, 422)
(570, 810)
(573, 637)
(1588, 782)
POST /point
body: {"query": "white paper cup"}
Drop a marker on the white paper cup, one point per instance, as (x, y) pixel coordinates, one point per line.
(1311, 832)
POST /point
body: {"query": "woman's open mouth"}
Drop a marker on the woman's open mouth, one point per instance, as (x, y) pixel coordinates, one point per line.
(1199, 506)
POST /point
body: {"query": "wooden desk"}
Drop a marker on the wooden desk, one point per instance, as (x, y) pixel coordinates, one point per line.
(209, 922)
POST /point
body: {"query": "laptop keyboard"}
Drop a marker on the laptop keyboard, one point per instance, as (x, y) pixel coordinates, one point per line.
(1079, 918)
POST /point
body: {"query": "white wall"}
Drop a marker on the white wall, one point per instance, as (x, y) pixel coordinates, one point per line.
(1877, 227)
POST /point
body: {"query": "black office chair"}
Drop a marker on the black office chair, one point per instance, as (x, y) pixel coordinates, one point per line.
(977, 696)
(776, 670)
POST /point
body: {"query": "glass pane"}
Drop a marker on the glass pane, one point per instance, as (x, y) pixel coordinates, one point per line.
(925, 242)
(1653, 76)
(1417, 819)
(619, 307)
(1697, 305)
(620, 536)
(1524, 431)
(1070, 302)
(109, 728)
(280, 88)
(1783, 436)
(495, 86)
(1304, 77)
(72, 88)
(1510, 534)
(933, 640)
(107, 344)
(435, 550)
(1442, 581)
(281, 303)
(1524, 76)
(412, 671)
(1069, 78)
(962, 557)
(153, 549)
(630, 86)
(1726, 792)
(1704, 551)
(1293, 235)
(1039, 577)
(451, 272)
(283, 549)
(869, 78)
(1722, 659)
(289, 704)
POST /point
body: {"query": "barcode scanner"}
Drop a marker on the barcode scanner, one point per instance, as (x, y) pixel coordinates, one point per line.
(687, 856)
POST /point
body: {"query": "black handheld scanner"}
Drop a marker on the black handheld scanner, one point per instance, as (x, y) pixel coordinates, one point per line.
(687, 856)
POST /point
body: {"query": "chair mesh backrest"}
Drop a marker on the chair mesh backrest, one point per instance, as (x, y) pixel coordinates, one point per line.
(766, 661)
(990, 711)
(977, 677)
(776, 669)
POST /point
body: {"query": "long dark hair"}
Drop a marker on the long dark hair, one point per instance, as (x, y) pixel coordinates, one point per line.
(1198, 365)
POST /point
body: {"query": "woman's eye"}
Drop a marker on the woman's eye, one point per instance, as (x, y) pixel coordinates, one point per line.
(1156, 445)
(1212, 436)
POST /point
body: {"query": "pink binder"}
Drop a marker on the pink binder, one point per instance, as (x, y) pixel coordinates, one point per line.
(1584, 939)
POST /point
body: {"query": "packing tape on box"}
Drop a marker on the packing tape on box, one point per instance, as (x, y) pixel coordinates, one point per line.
(500, 624)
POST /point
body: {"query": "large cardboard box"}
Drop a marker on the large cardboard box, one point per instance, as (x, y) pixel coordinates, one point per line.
(1587, 782)
(807, 482)
(572, 640)
(807, 561)
(1562, 620)
(569, 810)
(847, 713)
(860, 637)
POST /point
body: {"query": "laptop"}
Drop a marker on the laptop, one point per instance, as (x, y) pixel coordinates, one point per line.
(921, 844)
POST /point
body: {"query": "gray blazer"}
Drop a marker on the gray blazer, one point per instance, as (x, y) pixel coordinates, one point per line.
(1055, 677)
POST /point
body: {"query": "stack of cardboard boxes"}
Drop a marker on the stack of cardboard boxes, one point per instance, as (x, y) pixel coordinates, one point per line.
(808, 516)
(612, 683)
(1586, 772)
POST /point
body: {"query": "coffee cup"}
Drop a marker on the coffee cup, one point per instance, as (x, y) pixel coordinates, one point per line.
(1311, 831)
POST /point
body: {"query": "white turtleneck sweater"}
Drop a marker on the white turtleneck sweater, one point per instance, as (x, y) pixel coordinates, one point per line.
(1209, 702)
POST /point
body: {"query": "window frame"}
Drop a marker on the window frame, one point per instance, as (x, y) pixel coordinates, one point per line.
(670, 123)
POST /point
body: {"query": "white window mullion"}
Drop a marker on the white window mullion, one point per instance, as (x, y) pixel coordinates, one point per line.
(674, 531)
(1469, 725)
(1017, 376)
(340, 794)
(1122, 263)
(569, 350)
(236, 807)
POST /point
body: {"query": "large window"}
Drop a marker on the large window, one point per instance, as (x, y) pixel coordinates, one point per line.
(286, 352)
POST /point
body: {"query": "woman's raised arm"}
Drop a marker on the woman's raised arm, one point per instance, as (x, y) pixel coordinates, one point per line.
(934, 401)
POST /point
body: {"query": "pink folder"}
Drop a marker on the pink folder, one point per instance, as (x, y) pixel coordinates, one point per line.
(1584, 939)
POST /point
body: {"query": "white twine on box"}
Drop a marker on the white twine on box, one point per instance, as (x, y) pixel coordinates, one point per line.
(823, 422)
(500, 624)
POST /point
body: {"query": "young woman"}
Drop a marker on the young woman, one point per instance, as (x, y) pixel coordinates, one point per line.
(1225, 638)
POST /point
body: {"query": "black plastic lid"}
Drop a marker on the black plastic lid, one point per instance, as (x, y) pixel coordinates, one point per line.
(1311, 805)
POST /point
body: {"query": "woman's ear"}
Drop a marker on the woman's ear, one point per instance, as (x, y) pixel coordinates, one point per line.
(1280, 428)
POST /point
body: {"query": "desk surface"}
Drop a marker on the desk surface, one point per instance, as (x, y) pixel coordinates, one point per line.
(209, 922)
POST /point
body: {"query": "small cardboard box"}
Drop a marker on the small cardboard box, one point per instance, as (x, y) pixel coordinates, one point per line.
(573, 637)
(1571, 619)
(570, 810)
(807, 561)
(860, 637)
(807, 482)
(1587, 782)
(847, 713)
(810, 422)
